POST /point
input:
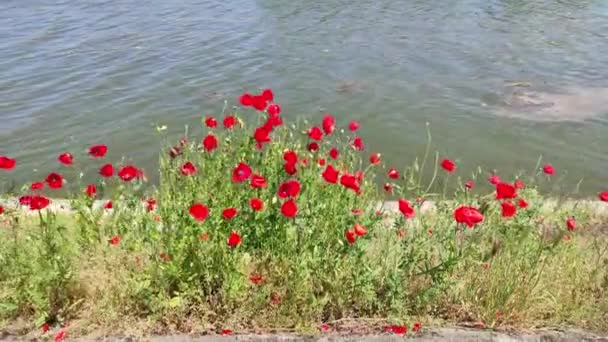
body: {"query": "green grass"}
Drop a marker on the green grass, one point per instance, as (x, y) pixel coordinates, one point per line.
(170, 272)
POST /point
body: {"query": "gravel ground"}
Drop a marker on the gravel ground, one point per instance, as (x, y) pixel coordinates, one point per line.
(443, 334)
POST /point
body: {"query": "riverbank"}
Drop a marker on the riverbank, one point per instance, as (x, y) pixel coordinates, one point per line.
(110, 275)
(279, 229)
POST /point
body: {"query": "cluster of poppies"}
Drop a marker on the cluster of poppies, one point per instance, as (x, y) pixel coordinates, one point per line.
(55, 180)
(289, 189)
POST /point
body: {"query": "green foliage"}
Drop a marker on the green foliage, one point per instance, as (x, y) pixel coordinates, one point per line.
(149, 257)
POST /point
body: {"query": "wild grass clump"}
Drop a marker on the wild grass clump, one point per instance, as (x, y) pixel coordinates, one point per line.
(277, 228)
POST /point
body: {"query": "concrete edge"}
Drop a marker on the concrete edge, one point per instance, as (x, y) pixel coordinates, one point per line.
(64, 205)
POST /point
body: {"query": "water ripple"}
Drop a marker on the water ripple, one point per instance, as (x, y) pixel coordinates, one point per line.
(81, 72)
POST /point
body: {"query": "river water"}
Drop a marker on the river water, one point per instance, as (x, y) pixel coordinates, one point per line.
(79, 72)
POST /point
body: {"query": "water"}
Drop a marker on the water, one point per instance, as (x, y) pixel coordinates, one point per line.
(75, 73)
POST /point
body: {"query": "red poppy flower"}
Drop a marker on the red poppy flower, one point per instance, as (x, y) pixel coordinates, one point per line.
(374, 159)
(353, 126)
(261, 136)
(315, 133)
(357, 211)
(7, 163)
(44, 327)
(199, 211)
(273, 121)
(203, 237)
(226, 332)
(396, 329)
(107, 170)
(359, 176)
(98, 151)
(108, 205)
(275, 299)
(256, 204)
(358, 144)
(241, 173)
(289, 188)
(603, 196)
(330, 174)
(468, 215)
(1, 210)
(494, 179)
(115, 240)
(229, 213)
(91, 190)
(304, 162)
(259, 103)
(522, 203)
(210, 122)
(273, 109)
(256, 278)
(388, 187)
(350, 235)
(25, 200)
(321, 162)
(60, 336)
(38, 202)
(165, 256)
(210, 142)
(505, 191)
(469, 184)
(54, 180)
(350, 181)
(188, 169)
(150, 204)
(290, 169)
(325, 327)
(393, 173)
(246, 100)
(229, 121)
(128, 173)
(519, 184)
(329, 124)
(359, 230)
(289, 209)
(267, 94)
(549, 170)
(406, 208)
(258, 181)
(448, 165)
(416, 327)
(37, 186)
(313, 147)
(290, 157)
(333, 153)
(234, 239)
(571, 223)
(508, 209)
(66, 158)
(175, 151)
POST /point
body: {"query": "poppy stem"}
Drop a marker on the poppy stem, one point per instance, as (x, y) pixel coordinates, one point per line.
(426, 154)
(445, 186)
(299, 237)
(434, 174)
(42, 222)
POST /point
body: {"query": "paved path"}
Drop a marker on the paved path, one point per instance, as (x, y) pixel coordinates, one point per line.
(433, 335)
